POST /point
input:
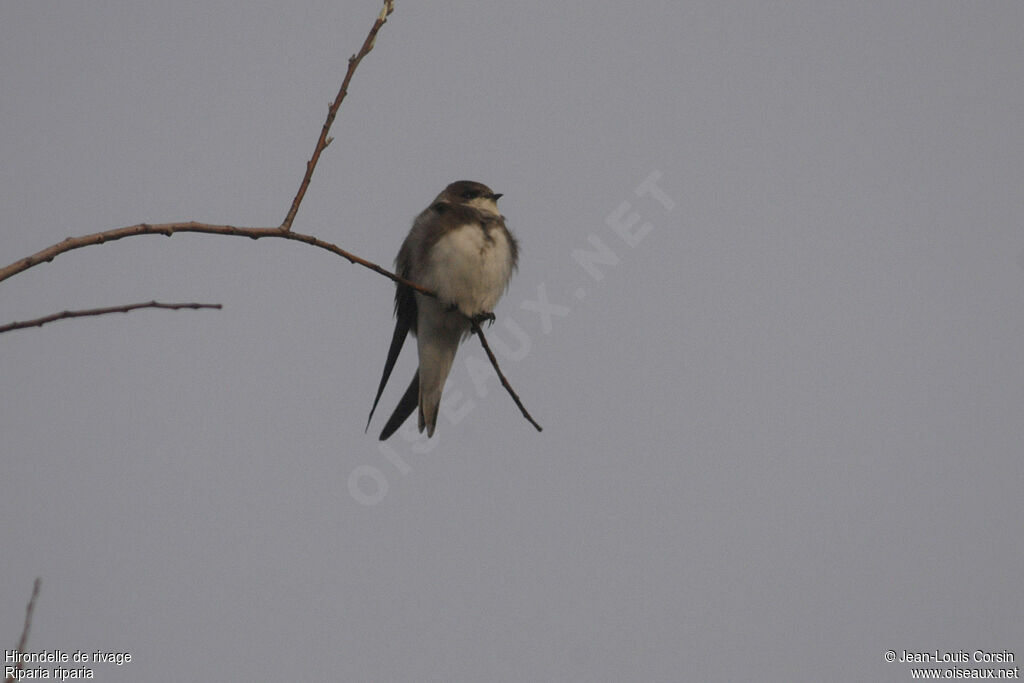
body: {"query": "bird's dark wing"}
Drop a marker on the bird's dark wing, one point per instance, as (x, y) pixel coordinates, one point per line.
(404, 408)
(405, 319)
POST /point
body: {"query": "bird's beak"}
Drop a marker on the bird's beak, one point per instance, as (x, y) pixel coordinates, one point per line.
(496, 196)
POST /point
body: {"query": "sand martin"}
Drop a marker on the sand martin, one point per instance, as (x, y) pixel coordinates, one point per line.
(459, 248)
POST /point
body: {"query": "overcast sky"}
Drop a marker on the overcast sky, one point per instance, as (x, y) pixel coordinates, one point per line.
(770, 313)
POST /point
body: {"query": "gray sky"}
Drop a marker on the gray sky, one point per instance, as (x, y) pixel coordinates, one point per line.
(783, 417)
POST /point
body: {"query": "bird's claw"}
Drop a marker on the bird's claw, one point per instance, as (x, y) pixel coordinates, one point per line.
(477, 319)
(484, 317)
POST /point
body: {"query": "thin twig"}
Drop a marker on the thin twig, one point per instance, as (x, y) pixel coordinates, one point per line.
(504, 382)
(332, 111)
(26, 628)
(39, 322)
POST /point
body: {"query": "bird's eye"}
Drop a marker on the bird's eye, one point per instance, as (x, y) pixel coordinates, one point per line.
(469, 194)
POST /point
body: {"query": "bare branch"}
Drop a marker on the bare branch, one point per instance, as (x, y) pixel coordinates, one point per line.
(504, 382)
(332, 111)
(169, 229)
(39, 322)
(283, 231)
(26, 628)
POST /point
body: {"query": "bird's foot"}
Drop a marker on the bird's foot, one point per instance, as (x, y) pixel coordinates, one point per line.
(484, 317)
(479, 318)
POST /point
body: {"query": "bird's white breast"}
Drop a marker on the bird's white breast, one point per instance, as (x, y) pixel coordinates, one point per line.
(470, 268)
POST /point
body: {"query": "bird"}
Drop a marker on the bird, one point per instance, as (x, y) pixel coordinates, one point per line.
(460, 249)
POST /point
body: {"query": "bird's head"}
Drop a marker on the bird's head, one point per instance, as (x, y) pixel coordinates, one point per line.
(471, 193)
